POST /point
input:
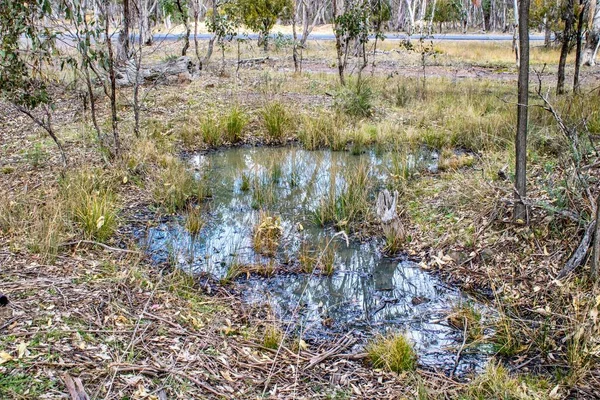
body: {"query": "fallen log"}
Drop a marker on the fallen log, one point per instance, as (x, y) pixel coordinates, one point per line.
(259, 60)
(126, 76)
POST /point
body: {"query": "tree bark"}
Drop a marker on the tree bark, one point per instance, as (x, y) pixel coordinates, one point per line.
(520, 213)
(186, 38)
(123, 53)
(593, 35)
(113, 81)
(564, 50)
(582, 9)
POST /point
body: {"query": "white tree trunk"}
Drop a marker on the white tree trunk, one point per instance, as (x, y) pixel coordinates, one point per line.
(593, 36)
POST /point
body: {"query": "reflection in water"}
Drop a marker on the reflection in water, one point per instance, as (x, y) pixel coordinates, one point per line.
(367, 293)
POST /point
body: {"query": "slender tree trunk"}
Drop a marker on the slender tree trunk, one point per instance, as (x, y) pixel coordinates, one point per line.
(516, 31)
(186, 38)
(595, 262)
(113, 82)
(338, 45)
(582, 9)
(564, 50)
(295, 38)
(520, 213)
(124, 51)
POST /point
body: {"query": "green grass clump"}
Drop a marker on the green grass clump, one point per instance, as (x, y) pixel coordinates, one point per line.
(497, 383)
(276, 121)
(324, 130)
(272, 337)
(233, 124)
(466, 313)
(211, 132)
(175, 186)
(91, 201)
(393, 352)
(355, 100)
(263, 192)
(193, 220)
(348, 205)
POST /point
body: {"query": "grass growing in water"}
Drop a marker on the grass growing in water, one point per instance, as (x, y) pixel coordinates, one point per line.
(393, 352)
(466, 314)
(176, 186)
(263, 192)
(193, 220)
(267, 233)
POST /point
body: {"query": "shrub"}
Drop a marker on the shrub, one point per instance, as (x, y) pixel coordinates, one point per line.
(393, 352)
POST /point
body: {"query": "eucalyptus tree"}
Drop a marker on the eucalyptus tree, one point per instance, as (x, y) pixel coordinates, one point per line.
(27, 49)
(261, 16)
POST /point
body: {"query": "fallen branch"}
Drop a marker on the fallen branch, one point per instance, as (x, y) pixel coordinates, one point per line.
(579, 254)
(104, 246)
(345, 342)
(75, 388)
(151, 371)
(259, 60)
(457, 359)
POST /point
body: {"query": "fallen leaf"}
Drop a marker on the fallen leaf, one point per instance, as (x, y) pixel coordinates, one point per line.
(5, 357)
(22, 350)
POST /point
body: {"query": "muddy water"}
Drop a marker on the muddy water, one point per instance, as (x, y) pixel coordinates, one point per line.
(368, 293)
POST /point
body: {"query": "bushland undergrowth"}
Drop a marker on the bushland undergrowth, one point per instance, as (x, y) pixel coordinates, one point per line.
(458, 219)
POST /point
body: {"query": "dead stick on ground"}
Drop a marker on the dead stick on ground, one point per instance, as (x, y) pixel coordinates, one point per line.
(104, 246)
(457, 360)
(579, 254)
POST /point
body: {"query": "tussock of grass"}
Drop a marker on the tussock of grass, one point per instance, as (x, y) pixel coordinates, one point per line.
(234, 123)
(276, 121)
(272, 337)
(497, 383)
(211, 132)
(91, 202)
(466, 313)
(393, 352)
(449, 160)
(355, 99)
(323, 130)
(267, 233)
(193, 220)
(263, 191)
(350, 204)
(175, 186)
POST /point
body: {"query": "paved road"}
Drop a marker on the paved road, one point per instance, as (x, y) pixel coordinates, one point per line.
(394, 36)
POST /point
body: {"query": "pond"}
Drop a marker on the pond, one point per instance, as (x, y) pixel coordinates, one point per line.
(367, 293)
